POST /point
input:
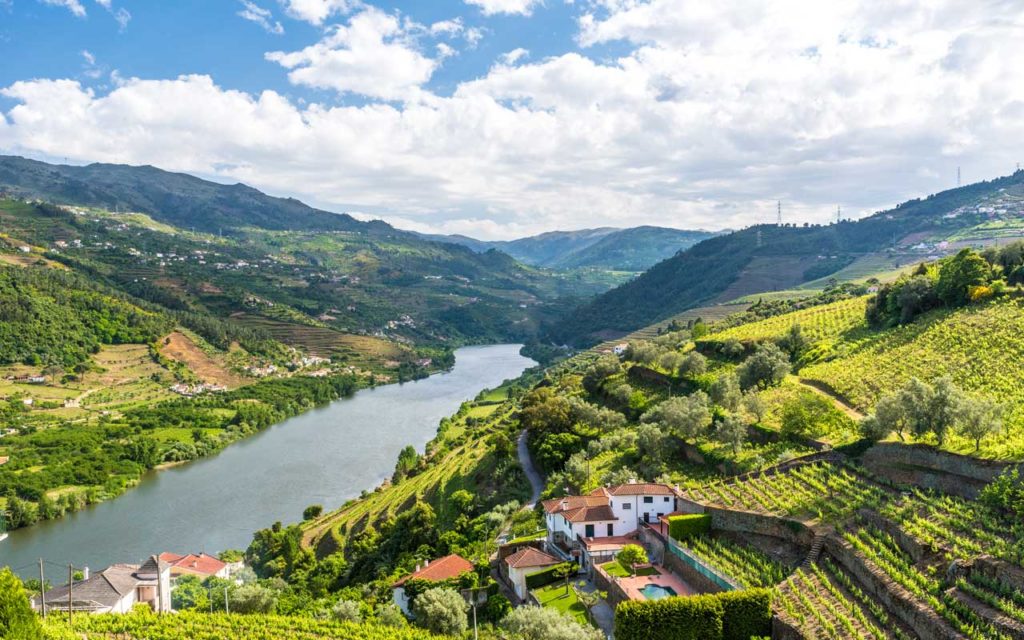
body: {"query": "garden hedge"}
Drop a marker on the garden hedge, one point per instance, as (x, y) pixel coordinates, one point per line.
(545, 577)
(731, 615)
(683, 527)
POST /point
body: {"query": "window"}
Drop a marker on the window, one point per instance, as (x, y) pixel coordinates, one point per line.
(627, 506)
(665, 499)
(589, 531)
(648, 500)
(610, 529)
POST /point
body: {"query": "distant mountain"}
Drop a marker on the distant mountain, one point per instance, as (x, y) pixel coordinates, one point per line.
(770, 257)
(633, 249)
(177, 199)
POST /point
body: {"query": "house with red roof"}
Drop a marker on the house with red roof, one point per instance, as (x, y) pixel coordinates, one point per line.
(615, 512)
(202, 565)
(524, 562)
(446, 568)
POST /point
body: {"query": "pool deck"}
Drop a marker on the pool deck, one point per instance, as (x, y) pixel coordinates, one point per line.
(633, 586)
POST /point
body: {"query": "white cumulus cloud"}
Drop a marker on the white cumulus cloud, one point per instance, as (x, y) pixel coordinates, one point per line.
(372, 55)
(519, 7)
(74, 6)
(317, 11)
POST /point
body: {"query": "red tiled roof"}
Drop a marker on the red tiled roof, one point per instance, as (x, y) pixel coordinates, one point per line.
(557, 505)
(441, 569)
(530, 557)
(598, 513)
(202, 564)
(642, 488)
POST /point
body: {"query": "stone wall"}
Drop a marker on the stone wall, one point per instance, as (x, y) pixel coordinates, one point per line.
(995, 569)
(783, 630)
(907, 543)
(925, 466)
(787, 529)
(923, 621)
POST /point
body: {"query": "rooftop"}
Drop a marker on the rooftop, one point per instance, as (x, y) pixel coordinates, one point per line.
(441, 569)
(530, 557)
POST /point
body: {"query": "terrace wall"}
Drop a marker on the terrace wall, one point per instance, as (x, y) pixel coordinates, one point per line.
(787, 529)
(922, 620)
(783, 630)
(691, 576)
(925, 466)
(996, 569)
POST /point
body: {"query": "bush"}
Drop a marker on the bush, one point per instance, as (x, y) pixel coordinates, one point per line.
(17, 620)
(746, 613)
(312, 511)
(540, 623)
(683, 527)
(632, 554)
(442, 611)
(686, 618)
(545, 577)
(732, 615)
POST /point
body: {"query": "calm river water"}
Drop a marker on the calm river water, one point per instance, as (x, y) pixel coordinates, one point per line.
(325, 456)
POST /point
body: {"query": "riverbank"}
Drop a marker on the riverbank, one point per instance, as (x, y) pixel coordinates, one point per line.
(323, 456)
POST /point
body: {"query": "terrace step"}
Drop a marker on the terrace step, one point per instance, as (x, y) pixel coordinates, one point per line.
(815, 552)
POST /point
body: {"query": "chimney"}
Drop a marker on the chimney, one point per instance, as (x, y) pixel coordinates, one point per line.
(85, 573)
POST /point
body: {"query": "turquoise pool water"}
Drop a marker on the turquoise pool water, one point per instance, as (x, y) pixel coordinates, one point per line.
(657, 592)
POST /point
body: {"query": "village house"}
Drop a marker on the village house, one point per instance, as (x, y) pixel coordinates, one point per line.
(202, 565)
(439, 570)
(116, 589)
(524, 562)
(604, 520)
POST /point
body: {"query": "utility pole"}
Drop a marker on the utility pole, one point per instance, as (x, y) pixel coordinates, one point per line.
(159, 590)
(42, 588)
(779, 208)
(839, 213)
(71, 586)
(226, 599)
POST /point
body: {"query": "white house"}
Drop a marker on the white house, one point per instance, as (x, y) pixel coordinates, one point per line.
(574, 522)
(116, 589)
(439, 570)
(524, 562)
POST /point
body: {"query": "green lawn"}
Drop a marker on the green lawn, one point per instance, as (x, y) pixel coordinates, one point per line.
(555, 596)
(616, 570)
(533, 536)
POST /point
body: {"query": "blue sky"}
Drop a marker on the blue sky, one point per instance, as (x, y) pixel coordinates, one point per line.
(500, 118)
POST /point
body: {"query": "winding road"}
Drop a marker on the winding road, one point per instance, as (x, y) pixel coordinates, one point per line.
(536, 480)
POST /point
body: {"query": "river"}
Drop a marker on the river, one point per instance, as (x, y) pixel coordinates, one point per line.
(324, 456)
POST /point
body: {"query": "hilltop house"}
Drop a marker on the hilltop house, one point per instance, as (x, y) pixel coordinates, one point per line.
(524, 562)
(606, 518)
(439, 570)
(116, 589)
(203, 566)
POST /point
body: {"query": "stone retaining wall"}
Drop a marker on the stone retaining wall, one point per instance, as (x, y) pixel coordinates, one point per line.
(787, 529)
(783, 630)
(925, 466)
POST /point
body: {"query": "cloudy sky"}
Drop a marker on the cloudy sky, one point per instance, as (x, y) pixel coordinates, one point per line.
(502, 118)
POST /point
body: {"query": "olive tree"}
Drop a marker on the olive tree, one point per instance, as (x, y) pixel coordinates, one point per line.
(766, 367)
(543, 623)
(442, 611)
(686, 416)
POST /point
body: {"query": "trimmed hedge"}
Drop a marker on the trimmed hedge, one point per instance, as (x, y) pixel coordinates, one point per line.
(683, 527)
(544, 577)
(731, 615)
(687, 618)
(746, 613)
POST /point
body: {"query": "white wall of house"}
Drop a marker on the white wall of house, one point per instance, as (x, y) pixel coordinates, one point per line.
(634, 509)
(518, 579)
(400, 599)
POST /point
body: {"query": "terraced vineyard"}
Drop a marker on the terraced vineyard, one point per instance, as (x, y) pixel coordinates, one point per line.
(820, 490)
(218, 626)
(998, 595)
(461, 458)
(978, 347)
(824, 602)
(745, 564)
(959, 528)
(322, 341)
(823, 322)
(880, 550)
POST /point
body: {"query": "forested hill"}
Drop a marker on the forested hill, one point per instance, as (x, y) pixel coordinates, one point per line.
(177, 199)
(786, 256)
(633, 249)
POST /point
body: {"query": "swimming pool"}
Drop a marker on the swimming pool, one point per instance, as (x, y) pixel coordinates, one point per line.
(657, 591)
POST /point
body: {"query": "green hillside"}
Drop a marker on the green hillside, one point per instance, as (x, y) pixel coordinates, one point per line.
(779, 258)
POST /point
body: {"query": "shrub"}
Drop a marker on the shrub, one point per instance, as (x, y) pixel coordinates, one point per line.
(682, 527)
(732, 615)
(540, 623)
(17, 620)
(312, 511)
(632, 554)
(545, 577)
(686, 618)
(746, 613)
(442, 611)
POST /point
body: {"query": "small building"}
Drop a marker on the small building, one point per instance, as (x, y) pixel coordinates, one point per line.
(202, 565)
(116, 589)
(524, 562)
(438, 570)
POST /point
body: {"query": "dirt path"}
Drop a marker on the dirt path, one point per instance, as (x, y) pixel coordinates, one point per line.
(822, 390)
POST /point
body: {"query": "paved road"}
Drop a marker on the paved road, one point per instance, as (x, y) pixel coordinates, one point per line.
(536, 480)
